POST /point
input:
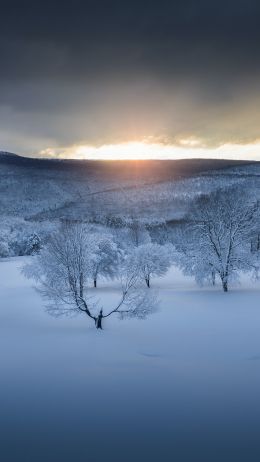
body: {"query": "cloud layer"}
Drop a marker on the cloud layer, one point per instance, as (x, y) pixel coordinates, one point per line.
(108, 72)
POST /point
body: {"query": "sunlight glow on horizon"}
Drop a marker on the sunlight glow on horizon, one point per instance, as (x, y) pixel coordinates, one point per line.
(143, 151)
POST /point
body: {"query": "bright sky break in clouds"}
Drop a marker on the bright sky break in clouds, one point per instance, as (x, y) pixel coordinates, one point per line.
(139, 150)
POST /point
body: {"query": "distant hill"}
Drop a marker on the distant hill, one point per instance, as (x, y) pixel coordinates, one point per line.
(145, 170)
(40, 190)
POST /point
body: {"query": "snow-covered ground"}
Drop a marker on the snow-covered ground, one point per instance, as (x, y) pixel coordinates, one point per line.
(183, 385)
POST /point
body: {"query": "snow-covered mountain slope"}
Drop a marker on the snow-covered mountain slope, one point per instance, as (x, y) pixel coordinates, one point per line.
(41, 189)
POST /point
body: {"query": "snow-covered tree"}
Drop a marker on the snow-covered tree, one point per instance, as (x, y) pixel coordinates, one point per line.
(63, 269)
(105, 257)
(130, 234)
(4, 248)
(138, 233)
(159, 232)
(217, 237)
(33, 244)
(150, 260)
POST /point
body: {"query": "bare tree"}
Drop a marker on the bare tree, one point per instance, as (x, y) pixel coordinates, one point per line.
(217, 237)
(63, 270)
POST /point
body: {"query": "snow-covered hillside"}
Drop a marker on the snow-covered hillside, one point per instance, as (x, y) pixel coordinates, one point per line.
(137, 391)
(38, 189)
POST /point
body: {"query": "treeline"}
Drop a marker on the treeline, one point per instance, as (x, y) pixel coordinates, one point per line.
(217, 240)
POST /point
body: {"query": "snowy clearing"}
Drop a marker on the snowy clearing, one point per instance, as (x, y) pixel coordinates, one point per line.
(181, 385)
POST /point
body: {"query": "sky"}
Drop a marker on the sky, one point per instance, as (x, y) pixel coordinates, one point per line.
(175, 78)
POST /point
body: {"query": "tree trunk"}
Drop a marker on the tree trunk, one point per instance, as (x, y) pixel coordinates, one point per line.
(225, 285)
(95, 283)
(213, 277)
(99, 320)
(147, 280)
(81, 285)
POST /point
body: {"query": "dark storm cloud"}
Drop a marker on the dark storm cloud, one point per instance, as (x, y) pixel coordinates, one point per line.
(98, 71)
